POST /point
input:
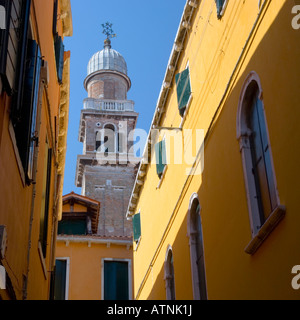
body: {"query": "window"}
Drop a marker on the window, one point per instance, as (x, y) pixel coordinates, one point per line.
(183, 86)
(116, 280)
(45, 199)
(55, 13)
(161, 157)
(106, 139)
(20, 65)
(12, 40)
(59, 57)
(264, 206)
(221, 4)
(72, 226)
(61, 279)
(169, 275)
(196, 250)
(136, 223)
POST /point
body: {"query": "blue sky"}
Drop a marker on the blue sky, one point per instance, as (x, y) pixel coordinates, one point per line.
(145, 32)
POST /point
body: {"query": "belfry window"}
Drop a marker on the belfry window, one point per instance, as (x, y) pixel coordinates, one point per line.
(106, 139)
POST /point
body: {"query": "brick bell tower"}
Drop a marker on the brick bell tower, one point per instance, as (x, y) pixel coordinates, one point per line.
(105, 171)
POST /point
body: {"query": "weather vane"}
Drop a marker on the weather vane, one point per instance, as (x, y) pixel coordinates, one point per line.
(108, 31)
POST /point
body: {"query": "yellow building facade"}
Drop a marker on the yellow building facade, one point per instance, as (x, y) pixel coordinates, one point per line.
(90, 266)
(34, 103)
(214, 206)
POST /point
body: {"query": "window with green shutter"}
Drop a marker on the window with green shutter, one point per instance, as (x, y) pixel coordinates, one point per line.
(183, 86)
(220, 5)
(59, 57)
(161, 157)
(116, 280)
(136, 222)
(24, 119)
(60, 280)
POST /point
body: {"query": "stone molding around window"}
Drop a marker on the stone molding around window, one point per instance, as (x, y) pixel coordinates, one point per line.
(259, 231)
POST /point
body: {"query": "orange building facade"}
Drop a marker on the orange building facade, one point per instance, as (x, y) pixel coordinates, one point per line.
(34, 104)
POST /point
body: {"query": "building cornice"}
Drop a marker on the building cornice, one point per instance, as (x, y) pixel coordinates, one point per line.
(95, 240)
(66, 17)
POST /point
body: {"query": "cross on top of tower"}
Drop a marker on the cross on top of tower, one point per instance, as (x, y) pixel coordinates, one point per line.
(108, 31)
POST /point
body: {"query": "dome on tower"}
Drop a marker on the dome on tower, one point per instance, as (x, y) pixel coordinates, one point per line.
(107, 59)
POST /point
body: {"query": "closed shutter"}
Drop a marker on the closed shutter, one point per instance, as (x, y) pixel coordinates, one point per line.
(60, 280)
(5, 8)
(25, 128)
(183, 89)
(59, 56)
(219, 4)
(13, 42)
(161, 157)
(136, 222)
(116, 280)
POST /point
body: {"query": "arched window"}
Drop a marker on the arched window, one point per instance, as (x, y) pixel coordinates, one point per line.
(196, 249)
(121, 147)
(260, 180)
(109, 138)
(106, 139)
(169, 275)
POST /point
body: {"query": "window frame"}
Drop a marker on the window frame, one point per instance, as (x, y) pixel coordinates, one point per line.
(169, 275)
(67, 259)
(192, 233)
(259, 229)
(45, 205)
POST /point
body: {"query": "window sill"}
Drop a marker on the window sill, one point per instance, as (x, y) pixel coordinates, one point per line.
(276, 216)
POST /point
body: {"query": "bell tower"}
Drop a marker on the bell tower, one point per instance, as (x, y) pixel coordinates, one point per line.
(106, 170)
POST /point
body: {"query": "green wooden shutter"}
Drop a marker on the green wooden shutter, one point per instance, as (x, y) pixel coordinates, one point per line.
(136, 222)
(116, 280)
(25, 128)
(59, 56)
(219, 4)
(183, 86)
(60, 280)
(161, 157)
(5, 9)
